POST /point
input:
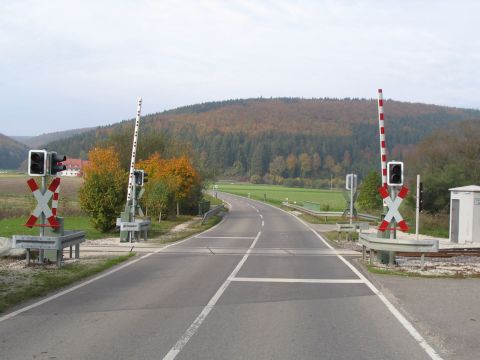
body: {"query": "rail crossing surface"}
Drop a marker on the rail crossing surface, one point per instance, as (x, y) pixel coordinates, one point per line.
(271, 288)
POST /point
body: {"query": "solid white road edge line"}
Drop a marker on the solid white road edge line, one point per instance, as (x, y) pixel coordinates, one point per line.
(101, 276)
(192, 329)
(226, 237)
(308, 281)
(397, 314)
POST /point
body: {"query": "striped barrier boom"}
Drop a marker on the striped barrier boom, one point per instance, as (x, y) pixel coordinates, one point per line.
(383, 144)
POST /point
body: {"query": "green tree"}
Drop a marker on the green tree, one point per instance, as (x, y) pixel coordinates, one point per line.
(369, 197)
(255, 179)
(103, 193)
(291, 165)
(160, 200)
(329, 162)
(316, 163)
(277, 168)
(446, 159)
(305, 164)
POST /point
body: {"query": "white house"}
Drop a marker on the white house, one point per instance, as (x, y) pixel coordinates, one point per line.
(74, 167)
(465, 214)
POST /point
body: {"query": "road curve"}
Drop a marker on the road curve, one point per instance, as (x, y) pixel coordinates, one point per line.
(260, 285)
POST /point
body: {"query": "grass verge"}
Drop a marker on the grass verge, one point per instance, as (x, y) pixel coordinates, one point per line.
(195, 228)
(18, 285)
(213, 200)
(15, 226)
(405, 273)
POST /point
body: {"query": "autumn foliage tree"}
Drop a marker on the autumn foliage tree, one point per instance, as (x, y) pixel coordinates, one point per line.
(171, 181)
(187, 190)
(446, 159)
(102, 195)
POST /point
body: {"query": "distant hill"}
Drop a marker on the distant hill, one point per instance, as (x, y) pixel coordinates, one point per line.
(12, 153)
(21, 139)
(243, 137)
(43, 139)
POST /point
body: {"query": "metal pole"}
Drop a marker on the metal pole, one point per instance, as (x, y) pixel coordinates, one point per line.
(132, 233)
(42, 222)
(134, 152)
(393, 224)
(134, 202)
(417, 209)
(351, 198)
(331, 182)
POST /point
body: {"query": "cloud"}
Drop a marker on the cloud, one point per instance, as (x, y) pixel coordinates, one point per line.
(92, 59)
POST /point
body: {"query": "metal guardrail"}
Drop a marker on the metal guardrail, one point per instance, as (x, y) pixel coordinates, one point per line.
(48, 242)
(212, 212)
(329, 213)
(398, 245)
(57, 243)
(369, 217)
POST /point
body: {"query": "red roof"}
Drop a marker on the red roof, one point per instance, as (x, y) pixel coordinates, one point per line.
(75, 163)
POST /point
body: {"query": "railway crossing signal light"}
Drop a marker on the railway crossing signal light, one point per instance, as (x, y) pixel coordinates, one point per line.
(420, 198)
(56, 163)
(136, 177)
(140, 177)
(37, 162)
(351, 182)
(395, 173)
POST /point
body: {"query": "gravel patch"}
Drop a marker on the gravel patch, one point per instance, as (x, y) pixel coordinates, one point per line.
(184, 226)
(457, 266)
(461, 266)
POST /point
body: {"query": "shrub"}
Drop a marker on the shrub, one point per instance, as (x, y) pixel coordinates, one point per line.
(103, 195)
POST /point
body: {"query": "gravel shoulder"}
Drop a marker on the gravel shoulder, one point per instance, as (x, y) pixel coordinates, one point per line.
(445, 310)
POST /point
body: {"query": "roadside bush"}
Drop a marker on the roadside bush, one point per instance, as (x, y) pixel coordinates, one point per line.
(269, 179)
(160, 200)
(326, 207)
(369, 198)
(256, 179)
(103, 194)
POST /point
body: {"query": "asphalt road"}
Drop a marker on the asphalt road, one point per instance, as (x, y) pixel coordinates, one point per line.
(260, 285)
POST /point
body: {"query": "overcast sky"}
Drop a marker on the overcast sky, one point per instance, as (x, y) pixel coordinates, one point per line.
(69, 64)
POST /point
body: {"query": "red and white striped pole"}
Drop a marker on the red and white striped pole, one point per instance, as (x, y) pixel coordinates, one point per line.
(383, 144)
(56, 196)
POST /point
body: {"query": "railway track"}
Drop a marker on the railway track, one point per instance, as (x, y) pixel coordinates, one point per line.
(444, 253)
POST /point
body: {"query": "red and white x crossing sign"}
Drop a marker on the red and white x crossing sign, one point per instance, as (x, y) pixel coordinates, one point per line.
(393, 212)
(42, 206)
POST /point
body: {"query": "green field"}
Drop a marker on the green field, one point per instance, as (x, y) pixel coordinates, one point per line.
(275, 194)
(14, 226)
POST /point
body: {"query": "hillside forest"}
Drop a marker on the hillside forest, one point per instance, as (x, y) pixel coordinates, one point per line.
(297, 142)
